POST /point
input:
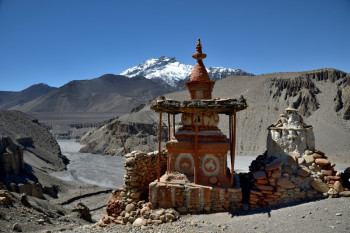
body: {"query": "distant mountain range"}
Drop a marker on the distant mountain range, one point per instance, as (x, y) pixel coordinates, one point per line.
(10, 99)
(171, 73)
(96, 99)
(107, 96)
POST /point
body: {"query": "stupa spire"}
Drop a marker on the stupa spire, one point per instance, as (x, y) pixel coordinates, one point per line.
(199, 73)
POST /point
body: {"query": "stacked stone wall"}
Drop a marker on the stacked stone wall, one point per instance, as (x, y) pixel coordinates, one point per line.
(188, 197)
(291, 178)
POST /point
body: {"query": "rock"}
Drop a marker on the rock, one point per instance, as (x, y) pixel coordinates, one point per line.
(138, 222)
(274, 165)
(213, 180)
(131, 219)
(309, 159)
(344, 194)
(285, 183)
(160, 212)
(301, 160)
(308, 152)
(144, 210)
(304, 172)
(83, 212)
(338, 187)
(322, 162)
(162, 218)
(332, 192)
(170, 216)
(292, 160)
(17, 227)
(288, 169)
(157, 221)
(129, 207)
(41, 221)
(265, 187)
(295, 154)
(319, 152)
(259, 175)
(317, 156)
(264, 181)
(326, 172)
(319, 186)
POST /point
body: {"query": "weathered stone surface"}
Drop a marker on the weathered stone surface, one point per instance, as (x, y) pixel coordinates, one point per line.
(288, 169)
(138, 222)
(285, 183)
(319, 152)
(292, 160)
(317, 156)
(265, 187)
(295, 154)
(309, 159)
(262, 181)
(130, 207)
(144, 210)
(327, 172)
(301, 160)
(259, 175)
(304, 172)
(344, 194)
(319, 186)
(338, 187)
(322, 162)
(274, 165)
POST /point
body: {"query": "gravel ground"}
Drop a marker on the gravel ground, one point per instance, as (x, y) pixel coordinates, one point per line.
(328, 215)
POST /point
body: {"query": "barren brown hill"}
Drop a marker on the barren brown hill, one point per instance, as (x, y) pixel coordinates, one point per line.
(322, 96)
(10, 99)
(93, 100)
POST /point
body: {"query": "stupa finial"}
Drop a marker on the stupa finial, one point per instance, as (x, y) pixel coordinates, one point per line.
(199, 72)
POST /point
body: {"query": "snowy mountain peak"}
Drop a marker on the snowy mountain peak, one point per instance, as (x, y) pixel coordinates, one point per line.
(170, 72)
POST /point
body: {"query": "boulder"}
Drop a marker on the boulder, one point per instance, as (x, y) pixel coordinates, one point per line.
(322, 162)
(285, 183)
(338, 187)
(304, 172)
(344, 194)
(129, 207)
(138, 222)
(259, 175)
(319, 186)
(265, 187)
(309, 159)
(274, 165)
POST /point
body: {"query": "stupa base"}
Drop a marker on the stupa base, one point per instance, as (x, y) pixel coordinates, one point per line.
(177, 192)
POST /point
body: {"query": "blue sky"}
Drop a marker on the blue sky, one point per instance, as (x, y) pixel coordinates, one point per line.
(56, 41)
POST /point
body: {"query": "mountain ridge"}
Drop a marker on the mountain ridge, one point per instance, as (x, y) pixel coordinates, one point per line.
(10, 99)
(169, 72)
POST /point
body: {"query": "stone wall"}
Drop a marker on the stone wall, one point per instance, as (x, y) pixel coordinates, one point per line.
(180, 194)
(291, 178)
(141, 170)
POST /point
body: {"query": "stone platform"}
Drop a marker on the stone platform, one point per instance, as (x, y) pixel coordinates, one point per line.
(176, 191)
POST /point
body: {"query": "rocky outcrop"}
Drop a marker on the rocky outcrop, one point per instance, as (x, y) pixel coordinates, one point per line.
(342, 99)
(11, 158)
(37, 143)
(112, 137)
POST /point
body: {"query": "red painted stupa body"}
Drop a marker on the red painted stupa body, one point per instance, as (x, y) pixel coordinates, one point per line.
(200, 147)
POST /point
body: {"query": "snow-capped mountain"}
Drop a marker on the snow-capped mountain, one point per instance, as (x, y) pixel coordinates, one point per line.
(170, 72)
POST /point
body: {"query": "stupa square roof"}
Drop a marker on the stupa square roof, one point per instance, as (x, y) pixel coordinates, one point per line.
(219, 105)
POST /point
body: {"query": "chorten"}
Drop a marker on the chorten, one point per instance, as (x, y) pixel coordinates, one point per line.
(199, 148)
